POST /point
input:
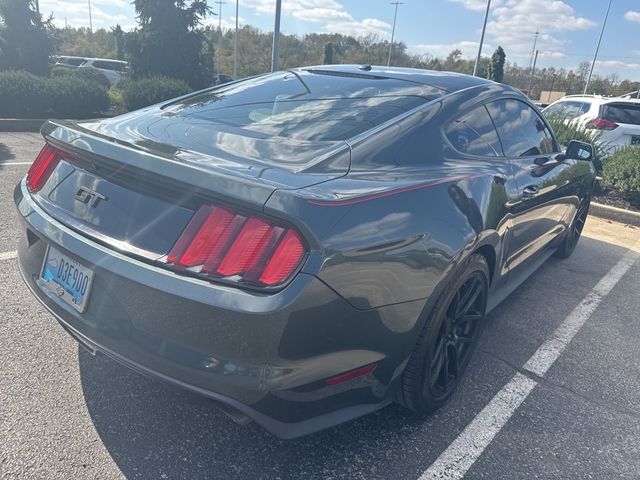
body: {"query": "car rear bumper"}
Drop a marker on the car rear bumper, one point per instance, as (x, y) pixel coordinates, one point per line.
(267, 356)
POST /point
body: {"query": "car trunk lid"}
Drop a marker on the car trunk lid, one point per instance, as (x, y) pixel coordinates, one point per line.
(135, 182)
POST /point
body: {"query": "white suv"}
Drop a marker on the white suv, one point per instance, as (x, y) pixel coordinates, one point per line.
(617, 119)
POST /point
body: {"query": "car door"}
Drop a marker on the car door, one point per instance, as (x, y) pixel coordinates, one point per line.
(545, 196)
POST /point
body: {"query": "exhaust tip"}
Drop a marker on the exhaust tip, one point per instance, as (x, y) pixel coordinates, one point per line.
(233, 413)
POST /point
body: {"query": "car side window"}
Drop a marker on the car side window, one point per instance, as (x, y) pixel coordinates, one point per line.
(522, 131)
(474, 134)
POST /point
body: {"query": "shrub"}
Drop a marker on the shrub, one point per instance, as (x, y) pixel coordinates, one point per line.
(76, 97)
(86, 73)
(22, 94)
(25, 95)
(566, 131)
(92, 74)
(621, 172)
(147, 91)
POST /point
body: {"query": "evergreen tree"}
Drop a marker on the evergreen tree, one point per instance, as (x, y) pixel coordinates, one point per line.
(118, 35)
(328, 54)
(24, 40)
(497, 65)
(168, 42)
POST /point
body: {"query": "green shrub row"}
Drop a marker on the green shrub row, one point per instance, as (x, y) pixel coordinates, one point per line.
(79, 93)
(25, 95)
(87, 73)
(148, 91)
(621, 171)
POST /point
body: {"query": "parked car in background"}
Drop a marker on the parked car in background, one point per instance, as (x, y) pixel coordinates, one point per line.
(70, 61)
(305, 246)
(112, 69)
(221, 79)
(616, 119)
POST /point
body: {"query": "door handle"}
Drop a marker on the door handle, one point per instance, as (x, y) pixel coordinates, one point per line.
(530, 191)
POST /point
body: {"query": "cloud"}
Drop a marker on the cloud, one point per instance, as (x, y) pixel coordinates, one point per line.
(468, 49)
(477, 5)
(632, 16)
(76, 12)
(513, 23)
(617, 64)
(329, 13)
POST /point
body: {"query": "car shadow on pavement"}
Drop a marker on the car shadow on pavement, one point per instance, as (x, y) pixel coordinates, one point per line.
(153, 430)
(5, 153)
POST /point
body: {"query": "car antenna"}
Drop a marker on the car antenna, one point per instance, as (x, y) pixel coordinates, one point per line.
(366, 67)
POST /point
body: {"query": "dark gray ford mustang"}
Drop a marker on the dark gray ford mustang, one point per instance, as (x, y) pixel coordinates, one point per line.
(303, 247)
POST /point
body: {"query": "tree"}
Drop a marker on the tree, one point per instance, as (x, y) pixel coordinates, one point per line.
(24, 40)
(118, 35)
(497, 65)
(328, 54)
(168, 42)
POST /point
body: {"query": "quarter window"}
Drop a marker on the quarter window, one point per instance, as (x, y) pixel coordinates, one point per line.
(474, 134)
(522, 131)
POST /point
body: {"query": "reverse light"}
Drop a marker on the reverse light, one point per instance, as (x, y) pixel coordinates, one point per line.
(220, 243)
(42, 167)
(602, 124)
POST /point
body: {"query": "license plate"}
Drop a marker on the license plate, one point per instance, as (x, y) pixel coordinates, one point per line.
(635, 140)
(66, 278)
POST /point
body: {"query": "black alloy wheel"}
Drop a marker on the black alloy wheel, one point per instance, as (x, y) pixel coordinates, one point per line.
(448, 339)
(575, 229)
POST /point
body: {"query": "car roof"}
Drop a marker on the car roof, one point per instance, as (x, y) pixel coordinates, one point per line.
(448, 81)
(104, 60)
(601, 99)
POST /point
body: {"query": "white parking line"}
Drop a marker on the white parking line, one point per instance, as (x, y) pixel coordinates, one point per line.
(14, 163)
(463, 452)
(8, 255)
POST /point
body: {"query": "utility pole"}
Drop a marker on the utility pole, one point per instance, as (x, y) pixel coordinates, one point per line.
(484, 27)
(235, 46)
(393, 30)
(90, 21)
(533, 50)
(220, 3)
(275, 50)
(533, 69)
(595, 55)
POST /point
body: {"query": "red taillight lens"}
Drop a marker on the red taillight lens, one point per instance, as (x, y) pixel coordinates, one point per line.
(602, 124)
(240, 248)
(42, 167)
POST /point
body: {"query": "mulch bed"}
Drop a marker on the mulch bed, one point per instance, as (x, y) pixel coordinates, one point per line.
(614, 198)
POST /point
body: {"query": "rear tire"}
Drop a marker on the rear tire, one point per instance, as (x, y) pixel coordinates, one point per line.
(575, 230)
(448, 339)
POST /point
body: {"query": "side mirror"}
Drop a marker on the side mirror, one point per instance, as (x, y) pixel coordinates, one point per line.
(579, 151)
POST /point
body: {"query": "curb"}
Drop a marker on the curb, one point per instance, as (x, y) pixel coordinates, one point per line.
(21, 124)
(615, 214)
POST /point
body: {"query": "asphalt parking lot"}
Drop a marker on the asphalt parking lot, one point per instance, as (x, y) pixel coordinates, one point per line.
(553, 391)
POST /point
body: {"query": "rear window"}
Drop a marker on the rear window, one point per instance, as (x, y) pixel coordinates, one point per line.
(116, 66)
(622, 113)
(568, 110)
(308, 105)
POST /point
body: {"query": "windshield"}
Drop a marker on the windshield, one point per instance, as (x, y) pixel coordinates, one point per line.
(308, 105)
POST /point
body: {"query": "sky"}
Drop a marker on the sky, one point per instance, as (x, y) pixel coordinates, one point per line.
(568, 30)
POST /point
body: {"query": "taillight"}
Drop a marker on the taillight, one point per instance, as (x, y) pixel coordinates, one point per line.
(223, 244)
(42, 167)
(602, 124)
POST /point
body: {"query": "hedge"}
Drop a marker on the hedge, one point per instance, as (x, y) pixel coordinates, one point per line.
(86, 73)
(24, 95)
(148, 91)
(621, 171)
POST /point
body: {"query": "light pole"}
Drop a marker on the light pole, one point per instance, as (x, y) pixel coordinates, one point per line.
(90, 21)
(275, 50)
(393, 30)
(595, 55)
(235, 46)
(220, 3)
(484, 27)
(533, 50)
